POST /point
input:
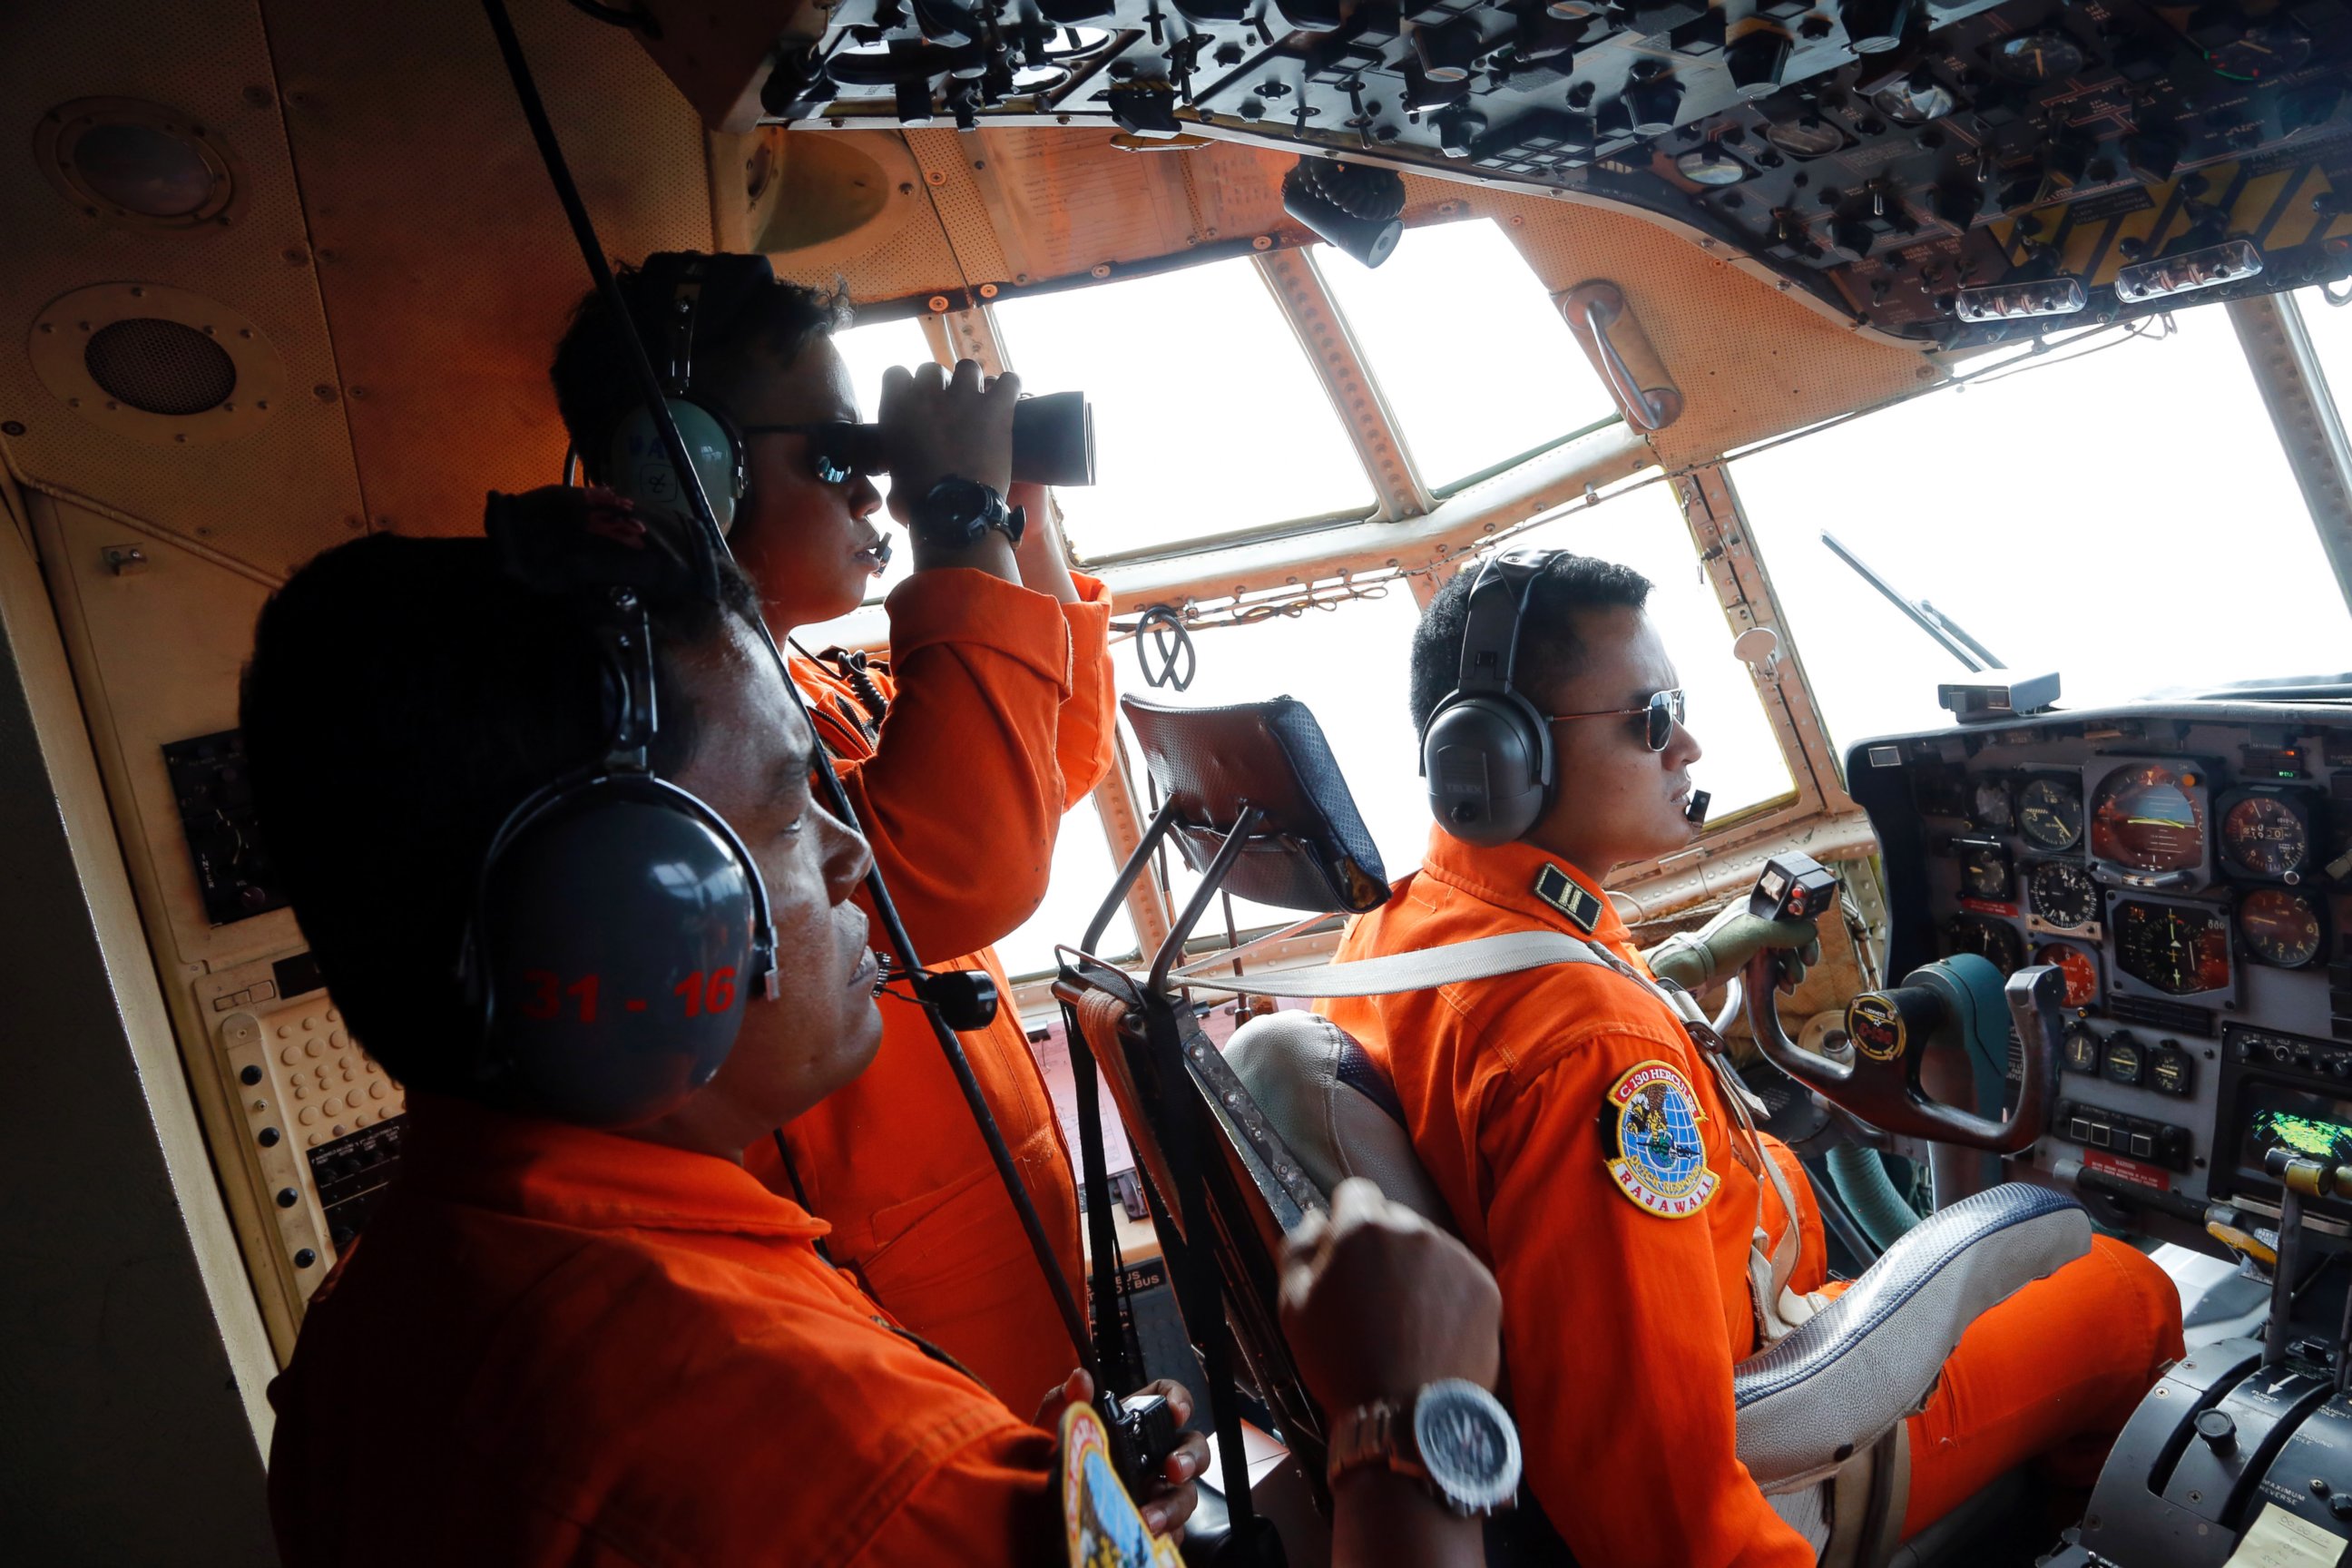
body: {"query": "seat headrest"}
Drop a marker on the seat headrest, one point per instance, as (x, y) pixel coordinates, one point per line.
(1333, 1106)
(1310, 851)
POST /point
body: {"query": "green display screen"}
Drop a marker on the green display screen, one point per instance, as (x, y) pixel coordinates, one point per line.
(2315, 1137)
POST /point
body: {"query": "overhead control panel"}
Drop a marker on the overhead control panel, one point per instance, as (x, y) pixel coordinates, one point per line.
(1960, 174)
(2187, 868)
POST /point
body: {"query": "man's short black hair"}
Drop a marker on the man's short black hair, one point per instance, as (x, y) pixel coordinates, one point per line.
(403, 698)
(1548, 648)
(596, 386)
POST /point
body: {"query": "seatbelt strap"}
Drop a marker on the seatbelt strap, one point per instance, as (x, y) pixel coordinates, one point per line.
(1424, 969)
(1771, 1268)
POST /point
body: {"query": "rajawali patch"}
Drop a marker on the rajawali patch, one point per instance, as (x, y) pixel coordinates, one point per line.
(1656, 1153)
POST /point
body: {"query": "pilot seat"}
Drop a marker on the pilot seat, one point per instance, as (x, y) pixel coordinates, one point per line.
(1235, 1146)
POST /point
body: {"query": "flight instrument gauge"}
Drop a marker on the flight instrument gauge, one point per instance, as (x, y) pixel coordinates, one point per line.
(2063, 894)
(2281, 927)
(1984, 870)
(1710, 166)
(2050, 812)
(2080, 1051)
(1988, 805)
(1989, 940)
(2263, 49)
(2150, 816)
(2175, 950)
(2267, 833)
(2081, 970)
(2047, 55)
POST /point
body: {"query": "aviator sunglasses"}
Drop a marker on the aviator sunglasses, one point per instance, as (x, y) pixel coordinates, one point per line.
(1664, 711)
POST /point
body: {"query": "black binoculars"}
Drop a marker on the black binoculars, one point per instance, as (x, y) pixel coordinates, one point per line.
(1053, 442)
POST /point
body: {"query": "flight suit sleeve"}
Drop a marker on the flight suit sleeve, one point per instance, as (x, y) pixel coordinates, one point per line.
(1613, 1334)
(962, 795)
(995, 1502)
(1085, 738)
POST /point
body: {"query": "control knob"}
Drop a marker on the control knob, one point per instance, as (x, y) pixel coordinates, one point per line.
(1448, 52)
(1458, 130)
(1652, 104)
(2220, 1431)
(1755, 60)
(1874, 26)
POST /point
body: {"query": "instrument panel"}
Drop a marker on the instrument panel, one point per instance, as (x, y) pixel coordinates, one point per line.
(2188, 867)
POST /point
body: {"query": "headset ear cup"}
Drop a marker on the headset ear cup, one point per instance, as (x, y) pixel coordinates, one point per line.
(614, 949)
(639, 467)
(1488, 761)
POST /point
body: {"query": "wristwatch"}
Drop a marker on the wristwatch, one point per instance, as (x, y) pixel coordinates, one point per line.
(956, 513)
(1452, 1436)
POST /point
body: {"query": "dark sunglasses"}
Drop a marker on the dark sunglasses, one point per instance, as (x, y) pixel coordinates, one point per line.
(838, 450)
(1663, 711)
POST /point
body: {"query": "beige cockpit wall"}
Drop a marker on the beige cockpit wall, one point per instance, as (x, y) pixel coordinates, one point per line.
(338, 322)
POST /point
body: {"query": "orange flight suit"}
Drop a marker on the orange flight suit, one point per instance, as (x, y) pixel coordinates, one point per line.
(1625, 1297)
(1000, 719)
(559, 1346)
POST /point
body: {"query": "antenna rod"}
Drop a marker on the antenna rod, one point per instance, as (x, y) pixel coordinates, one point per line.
(649, 387)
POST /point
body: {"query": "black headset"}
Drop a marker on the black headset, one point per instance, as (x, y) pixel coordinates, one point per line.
(669, 297)
(618, 925)
(1487, 751)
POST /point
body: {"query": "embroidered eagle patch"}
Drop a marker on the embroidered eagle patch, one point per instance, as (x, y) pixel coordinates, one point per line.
(1650, 1138)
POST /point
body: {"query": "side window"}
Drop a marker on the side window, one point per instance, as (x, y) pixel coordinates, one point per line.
(1083, 869)
(1742, 765)
(2055, 513)
(1348, 664)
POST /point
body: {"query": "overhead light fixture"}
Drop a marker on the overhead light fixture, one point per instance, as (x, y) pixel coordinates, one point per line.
(2229, 262)
(2013, 302)
(1359, 208)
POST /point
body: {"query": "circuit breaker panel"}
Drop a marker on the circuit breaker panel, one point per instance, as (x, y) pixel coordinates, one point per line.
(322, 1121)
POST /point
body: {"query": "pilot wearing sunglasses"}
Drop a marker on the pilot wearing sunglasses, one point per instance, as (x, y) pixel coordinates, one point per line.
(1604, 1161)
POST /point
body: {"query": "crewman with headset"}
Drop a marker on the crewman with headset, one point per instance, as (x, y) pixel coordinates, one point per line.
(992, 719)
(1638, 1268)
(544, 811)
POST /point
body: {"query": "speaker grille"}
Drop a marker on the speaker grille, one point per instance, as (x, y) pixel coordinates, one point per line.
(159, 367)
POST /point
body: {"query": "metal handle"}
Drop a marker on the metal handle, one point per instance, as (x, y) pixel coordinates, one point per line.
(1591, 308)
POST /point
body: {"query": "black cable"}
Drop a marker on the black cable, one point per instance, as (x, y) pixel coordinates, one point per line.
(886, 911)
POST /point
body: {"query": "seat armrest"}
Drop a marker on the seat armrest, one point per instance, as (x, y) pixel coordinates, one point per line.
(1870, 1358)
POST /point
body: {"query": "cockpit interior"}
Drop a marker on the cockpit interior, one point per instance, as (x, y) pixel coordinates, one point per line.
(1966, 385)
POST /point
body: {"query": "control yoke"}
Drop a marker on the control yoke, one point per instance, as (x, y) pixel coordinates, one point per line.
(1876, 1078)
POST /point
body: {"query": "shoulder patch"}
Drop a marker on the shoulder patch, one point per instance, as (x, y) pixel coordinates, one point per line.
(1650, 1138)
(1562, 891)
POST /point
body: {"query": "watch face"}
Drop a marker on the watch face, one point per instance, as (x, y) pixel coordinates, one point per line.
(1467, 1445)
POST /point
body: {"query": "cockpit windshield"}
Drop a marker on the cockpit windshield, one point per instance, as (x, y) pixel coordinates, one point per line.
(2060, 510)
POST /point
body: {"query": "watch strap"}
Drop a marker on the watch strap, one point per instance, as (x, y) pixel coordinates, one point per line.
(1378, 1435)
(962, 528)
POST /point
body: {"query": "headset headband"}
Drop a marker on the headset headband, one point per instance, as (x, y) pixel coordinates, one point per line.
(1490, 633)
(676, 292)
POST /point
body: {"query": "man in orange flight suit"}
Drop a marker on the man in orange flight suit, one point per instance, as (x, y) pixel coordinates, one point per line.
(1625, 1269)
(561, 1344)
(995, 719)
